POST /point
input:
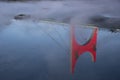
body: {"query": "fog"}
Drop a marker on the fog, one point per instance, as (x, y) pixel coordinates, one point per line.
(35, 44)
(75, 12)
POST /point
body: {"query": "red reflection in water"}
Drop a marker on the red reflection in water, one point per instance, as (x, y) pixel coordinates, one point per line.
(78, 49)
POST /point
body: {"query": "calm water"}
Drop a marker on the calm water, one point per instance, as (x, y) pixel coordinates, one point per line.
(41, 51)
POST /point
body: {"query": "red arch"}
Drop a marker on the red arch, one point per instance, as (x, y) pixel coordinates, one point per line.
(77, 49)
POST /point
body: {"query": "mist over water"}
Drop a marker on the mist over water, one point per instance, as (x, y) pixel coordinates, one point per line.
(75, 12)
(31, 49)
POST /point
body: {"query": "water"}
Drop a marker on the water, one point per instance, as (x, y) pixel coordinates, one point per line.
(41, 51)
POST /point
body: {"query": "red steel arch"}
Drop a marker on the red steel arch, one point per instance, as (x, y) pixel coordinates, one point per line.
(77, 49)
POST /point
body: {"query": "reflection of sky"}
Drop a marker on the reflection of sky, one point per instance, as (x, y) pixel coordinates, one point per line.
(41, 51)
(27, 51)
